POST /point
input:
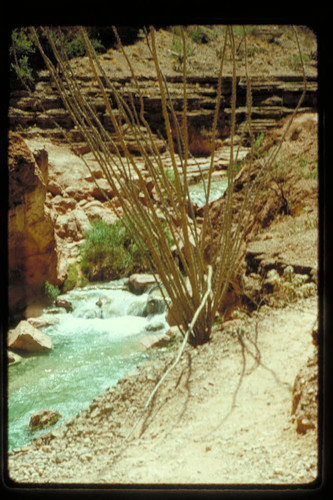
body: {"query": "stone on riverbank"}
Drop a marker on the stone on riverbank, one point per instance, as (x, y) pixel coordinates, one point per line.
(43, 418)
(156, 340)
(139, 283)
(162, 339)
(26, 337)
(13, 358)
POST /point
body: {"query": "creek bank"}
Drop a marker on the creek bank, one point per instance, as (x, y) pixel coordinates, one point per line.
(99, 333)
(200, 418)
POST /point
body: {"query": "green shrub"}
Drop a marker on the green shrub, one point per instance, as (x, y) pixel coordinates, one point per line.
(199, 35)
(21, 53)
(74, 45)
(308, 169)
(258, 145)
(72, 279)
(176, 50)
(170, 175)
(108, 252)
(25, 60)
(51, 292)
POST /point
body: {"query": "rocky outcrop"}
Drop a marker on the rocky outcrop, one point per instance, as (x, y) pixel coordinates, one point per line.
(26, 337)
(276, 86)
(31, 240)
(262, 256)
(273, 97)
(72, 199)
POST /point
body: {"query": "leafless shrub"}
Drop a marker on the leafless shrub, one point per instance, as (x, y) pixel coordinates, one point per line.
(185, 285)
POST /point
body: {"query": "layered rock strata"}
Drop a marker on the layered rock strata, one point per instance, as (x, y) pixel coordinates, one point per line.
(273, 97)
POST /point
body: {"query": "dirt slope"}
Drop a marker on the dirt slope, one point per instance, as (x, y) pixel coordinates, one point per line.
(229, 421)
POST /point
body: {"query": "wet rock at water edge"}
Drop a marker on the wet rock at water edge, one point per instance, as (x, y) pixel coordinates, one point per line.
(155, 324)
(157, 340)
(65, 304)
(155, 305)
(41, 322)
(139, 283)
(162, 339)
(43, 418)
(26, 337)
(13, 358)
(103, 301)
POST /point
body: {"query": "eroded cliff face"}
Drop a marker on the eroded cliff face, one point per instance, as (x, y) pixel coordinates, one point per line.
(32, 257)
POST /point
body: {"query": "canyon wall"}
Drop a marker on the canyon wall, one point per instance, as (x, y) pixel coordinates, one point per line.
(32, 257)
(51, 194)
(273, 97)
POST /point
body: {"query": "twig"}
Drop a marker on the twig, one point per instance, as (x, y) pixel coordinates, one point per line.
(180, 352)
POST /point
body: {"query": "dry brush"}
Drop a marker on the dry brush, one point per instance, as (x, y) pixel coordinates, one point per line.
(148, 221)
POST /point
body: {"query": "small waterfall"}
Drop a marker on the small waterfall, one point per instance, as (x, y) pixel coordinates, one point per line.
(94, 346)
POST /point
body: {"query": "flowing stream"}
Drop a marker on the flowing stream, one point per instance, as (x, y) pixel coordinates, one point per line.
(94, 346)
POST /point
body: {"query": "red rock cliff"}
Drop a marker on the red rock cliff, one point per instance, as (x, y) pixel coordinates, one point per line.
(32, 257)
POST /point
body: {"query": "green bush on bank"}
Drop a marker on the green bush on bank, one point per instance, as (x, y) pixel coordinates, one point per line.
(51, 292)
(22, 53)
(108, 252)
(74, 278)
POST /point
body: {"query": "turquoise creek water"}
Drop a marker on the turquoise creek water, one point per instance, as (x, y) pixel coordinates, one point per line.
(93, 348)
(217, 189)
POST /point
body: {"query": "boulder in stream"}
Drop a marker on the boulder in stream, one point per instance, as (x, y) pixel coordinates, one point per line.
(139, 283)
(43, 418)
(102, 301)
(65, 304)
(26, 337)
(155, 305)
